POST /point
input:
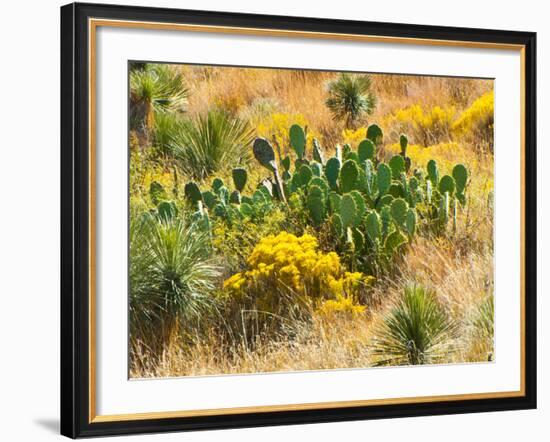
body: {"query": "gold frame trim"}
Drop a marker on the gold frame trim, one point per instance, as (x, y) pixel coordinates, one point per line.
(93, 24)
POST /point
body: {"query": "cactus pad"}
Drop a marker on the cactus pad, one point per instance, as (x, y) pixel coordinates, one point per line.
(297, 140)
(239, 178)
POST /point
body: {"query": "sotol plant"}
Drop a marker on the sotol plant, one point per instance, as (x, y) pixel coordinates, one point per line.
(350, 98)
(211, 142)
(416, 331)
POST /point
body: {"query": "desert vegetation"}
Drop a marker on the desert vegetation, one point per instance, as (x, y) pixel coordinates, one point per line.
(304, 220)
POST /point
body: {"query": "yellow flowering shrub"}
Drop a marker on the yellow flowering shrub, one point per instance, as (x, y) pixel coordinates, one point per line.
(354, 137)
(476, 122)
(276, 125)
(424, 126)
(286, 263)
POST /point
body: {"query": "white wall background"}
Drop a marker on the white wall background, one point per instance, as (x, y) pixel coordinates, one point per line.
(29, 221)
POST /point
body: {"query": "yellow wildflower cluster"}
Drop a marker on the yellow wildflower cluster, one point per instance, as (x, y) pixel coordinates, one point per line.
(427, 126)
(285, 261)
(276, 126)
(479, 117)
(354, 137)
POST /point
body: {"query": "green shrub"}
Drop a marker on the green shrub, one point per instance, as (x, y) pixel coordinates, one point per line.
(416, 331)
(350, 98)
(171, 270)
(155, 88)
(210, 143)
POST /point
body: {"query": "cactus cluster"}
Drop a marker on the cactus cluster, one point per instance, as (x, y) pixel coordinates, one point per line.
(372, 207)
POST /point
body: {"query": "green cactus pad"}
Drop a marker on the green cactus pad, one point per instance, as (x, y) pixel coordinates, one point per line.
(239, 178)
(397, 166)
(374, 133)
(320, 182)
(259, 197)
(393, 242)
(318, 152)
(433, 172)
(353, 156)
(358, 239)
(348, 210)
(297, 140)
(156, 192)
(383, 178)
(264, 153)
(399, 209)
(210, 200)
(235, 197)
(246, 210)
(385, 219)
(167, 210)
(335, 202)
(366, 150)
(447, 184)
(332, 171)
(348, 176)
(220, 210)
(372, 224)
(360, 205)
(305, 174)
(410, 222)
(316, 192)
(285, 162)
(316, 168)
(192, 192)
(336, 225)
(317, 209)
(217, 184)
(386, 200)
(460, 175)
(403, 143)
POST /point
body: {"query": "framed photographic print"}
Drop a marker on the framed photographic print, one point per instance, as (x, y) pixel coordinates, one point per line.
(275, 220)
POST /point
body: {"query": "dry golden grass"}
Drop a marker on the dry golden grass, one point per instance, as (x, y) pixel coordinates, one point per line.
(458, 267)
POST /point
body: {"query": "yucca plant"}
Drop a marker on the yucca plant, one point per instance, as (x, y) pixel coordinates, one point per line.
(416, 331)
(210, 143)
(166, 126)
(171, 271)
(155, 88)
(350, 98)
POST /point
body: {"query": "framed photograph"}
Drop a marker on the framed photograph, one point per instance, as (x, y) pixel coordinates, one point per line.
(274, 220)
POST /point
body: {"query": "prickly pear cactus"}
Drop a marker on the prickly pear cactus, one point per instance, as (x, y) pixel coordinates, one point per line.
(332, 172)
(167, 210)
(192, 192)
(318, 152)
(372, 224)
(317, 207)
(383, 178)
(397, 166)
(399, 208)
(374, 133)
(460, 175)
(348, 210)
(264, 153)
(410, 222)
(156, 192)
(240, 177)
(337, 225)
(366, 150)
(348, 176)
(305, 175)
(403, 143)
(297, 140)
(433, 172)
(447, 185)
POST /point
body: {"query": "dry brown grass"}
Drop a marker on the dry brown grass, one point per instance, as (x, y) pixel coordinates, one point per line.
(458, 267)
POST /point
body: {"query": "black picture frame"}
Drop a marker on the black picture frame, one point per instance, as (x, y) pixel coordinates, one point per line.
(75, 220)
